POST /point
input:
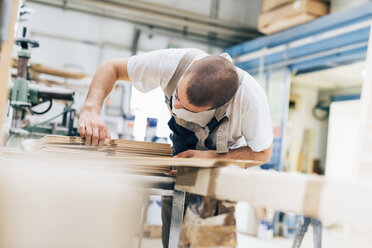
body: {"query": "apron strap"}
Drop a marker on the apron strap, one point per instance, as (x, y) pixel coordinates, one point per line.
(184, 63)
(222, 136)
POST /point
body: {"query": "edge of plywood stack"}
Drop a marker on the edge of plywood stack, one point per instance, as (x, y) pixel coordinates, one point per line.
(115, 147)
(125, 154)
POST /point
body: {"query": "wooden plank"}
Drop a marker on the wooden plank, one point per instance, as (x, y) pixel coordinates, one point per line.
(5, 63)
(119, 147)
(92, 160)
(187, 162)
(127, 152)
(316, 196)
(57, 72)
(42, 69)
(37, 69)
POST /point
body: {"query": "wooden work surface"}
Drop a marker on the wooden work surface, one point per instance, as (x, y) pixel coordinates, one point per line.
(316, 196)
(131, 153)
(335, 200)
(122, 155)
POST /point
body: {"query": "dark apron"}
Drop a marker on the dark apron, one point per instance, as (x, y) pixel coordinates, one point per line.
(188, 135)
(184, 139)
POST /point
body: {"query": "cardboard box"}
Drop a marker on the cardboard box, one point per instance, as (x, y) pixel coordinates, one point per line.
(268, 5)
(210, 232)
(152, 231)
(290, 15)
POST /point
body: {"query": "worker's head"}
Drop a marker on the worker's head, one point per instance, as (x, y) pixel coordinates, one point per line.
(208, 84)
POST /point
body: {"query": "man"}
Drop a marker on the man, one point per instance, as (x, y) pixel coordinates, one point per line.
(218, 110)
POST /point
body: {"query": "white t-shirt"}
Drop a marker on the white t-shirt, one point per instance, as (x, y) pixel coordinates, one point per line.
(248, 112)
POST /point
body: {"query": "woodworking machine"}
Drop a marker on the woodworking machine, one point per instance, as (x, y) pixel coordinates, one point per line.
(24, 96)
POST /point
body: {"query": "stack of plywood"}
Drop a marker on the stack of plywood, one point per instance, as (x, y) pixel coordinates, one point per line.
(278, 15)
(66, 144)
(130, 147)
(125, 155)
(116, 147)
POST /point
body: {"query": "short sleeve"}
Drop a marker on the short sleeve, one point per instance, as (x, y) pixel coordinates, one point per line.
(154, 69)
(256, 125)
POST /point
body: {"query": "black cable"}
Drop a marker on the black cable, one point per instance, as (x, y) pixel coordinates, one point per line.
(54, 117)
(43, 112)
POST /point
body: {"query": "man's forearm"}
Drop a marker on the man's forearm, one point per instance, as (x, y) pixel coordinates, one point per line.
(91, 125)
(246, 153)
(103, 81)
(243, 153)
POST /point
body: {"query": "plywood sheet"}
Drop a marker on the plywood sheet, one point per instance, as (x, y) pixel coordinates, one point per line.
(132, 153)
(119, 147)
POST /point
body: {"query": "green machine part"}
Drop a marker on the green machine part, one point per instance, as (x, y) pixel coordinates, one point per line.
(22, 94)
(19, 93)
(34, 94)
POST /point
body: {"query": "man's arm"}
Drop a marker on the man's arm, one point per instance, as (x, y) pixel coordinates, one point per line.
(244, 153)
(91, 125)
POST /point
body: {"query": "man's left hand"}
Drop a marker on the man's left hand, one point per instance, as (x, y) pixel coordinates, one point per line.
(193, 154)
(197, 154)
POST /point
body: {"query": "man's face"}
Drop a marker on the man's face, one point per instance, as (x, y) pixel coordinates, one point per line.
(181, 101)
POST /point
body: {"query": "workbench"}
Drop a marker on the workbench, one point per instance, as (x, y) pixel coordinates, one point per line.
(314, 196)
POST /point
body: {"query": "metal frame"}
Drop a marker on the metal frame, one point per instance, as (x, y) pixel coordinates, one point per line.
(165, 187)
(178, 207)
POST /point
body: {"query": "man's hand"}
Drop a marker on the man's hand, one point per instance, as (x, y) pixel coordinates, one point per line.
(91, 125)
(193, 154)
(243, 153)
(93, 129)
(197, 154)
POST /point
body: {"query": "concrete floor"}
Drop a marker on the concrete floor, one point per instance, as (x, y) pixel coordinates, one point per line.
(331, 238)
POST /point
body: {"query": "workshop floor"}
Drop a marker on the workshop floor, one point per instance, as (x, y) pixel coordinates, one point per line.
(331, 238)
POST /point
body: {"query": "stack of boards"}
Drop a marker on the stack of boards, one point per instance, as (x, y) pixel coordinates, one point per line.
(119, 154)
(126, 155)
(115, 148)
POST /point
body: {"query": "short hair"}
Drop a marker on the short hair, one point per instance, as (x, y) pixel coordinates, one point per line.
(213, 81)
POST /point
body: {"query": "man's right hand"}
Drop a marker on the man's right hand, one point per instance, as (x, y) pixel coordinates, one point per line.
(91, 125)
(93, 129)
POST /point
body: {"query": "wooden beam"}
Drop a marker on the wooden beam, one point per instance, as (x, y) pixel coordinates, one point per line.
(42, 69)
(5, 63)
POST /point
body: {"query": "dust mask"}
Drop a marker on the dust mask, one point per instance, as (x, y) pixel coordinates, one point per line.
(200, 118)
